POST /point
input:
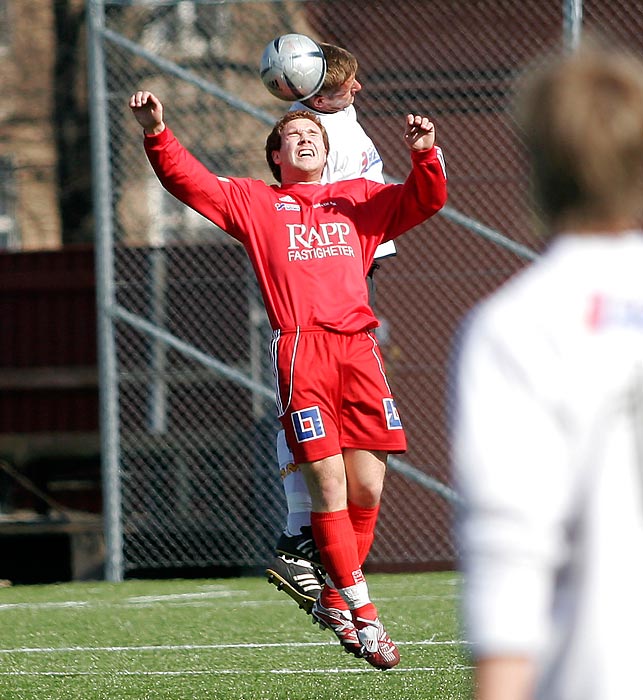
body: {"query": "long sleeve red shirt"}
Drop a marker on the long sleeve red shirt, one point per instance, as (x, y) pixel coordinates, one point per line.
(310, 245)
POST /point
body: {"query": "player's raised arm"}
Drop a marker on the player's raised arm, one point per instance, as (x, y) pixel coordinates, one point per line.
(148, 110)
(419, 134)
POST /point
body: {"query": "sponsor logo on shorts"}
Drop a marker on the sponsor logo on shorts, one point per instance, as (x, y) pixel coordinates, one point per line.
(308, 424)
(393, 421)
(358, 576)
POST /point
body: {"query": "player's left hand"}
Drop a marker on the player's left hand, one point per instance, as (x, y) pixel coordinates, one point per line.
(419, 134)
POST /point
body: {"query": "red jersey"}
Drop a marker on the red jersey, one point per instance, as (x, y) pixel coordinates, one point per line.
(310, 245)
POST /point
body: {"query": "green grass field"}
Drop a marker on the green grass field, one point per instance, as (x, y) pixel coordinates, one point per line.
(236, 639)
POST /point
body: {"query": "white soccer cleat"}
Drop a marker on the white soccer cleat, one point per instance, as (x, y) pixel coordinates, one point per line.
(376, 646)
(341, 622)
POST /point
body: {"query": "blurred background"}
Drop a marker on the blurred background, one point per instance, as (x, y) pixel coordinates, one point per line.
(136, 414)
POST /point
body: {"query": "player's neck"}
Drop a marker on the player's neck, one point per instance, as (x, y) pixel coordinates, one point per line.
(301, 182)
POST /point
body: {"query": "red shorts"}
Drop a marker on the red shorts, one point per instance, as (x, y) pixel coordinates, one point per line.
(332, 393)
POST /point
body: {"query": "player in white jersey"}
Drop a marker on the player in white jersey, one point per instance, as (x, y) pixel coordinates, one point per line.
(352, 154)
(548, 421)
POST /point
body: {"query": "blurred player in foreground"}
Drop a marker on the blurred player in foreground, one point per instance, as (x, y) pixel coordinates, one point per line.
(548, 431)
(351, 154)
(310, 246)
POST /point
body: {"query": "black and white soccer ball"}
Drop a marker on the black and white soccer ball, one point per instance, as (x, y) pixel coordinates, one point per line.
(293, 67)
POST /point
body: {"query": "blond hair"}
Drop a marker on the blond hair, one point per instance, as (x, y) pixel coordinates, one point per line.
(341, 65)
(582, 118)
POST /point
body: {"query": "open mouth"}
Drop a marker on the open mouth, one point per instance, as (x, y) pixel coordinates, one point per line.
(306, 153)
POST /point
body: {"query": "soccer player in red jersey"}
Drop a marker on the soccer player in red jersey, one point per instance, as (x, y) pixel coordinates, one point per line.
(296, 568)
(311, 246)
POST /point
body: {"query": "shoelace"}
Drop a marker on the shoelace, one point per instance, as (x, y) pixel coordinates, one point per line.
(342, 613)
(348, 622)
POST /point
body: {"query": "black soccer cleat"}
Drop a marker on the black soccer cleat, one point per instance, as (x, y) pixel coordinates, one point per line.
(300, 546)
(296, 577)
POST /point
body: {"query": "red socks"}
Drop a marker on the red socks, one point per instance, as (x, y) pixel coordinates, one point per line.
(336, 541)
(344, 539)
(364, 521)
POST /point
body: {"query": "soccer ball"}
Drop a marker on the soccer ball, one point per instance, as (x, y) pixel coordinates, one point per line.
(293, 67)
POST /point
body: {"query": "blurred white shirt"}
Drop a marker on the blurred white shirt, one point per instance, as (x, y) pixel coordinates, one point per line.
(548, 455)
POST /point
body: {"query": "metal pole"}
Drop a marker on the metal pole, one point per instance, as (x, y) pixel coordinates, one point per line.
(572, 23)
(105, 294)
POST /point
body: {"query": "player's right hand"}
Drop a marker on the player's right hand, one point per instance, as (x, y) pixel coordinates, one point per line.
(148, 110)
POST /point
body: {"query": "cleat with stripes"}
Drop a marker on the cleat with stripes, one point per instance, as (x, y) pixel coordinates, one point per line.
(341, 623)
(376, 646)
(296, 577)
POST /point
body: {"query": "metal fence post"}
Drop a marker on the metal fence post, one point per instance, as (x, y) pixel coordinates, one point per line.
(105, 294)
(572, 22)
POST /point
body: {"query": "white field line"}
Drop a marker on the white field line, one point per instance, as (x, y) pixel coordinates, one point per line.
(144, 600)
(170, 597)
(240, 672)
(188, 599)
(39, 606)
(205, 647)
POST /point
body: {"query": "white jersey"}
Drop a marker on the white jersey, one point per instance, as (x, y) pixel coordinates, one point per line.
(352, 154)
(548, 451)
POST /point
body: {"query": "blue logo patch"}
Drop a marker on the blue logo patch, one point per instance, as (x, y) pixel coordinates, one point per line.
(308, 424)
(393, 421)
(283, 206)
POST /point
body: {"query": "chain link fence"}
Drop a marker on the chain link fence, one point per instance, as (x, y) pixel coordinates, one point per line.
(188, 422)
